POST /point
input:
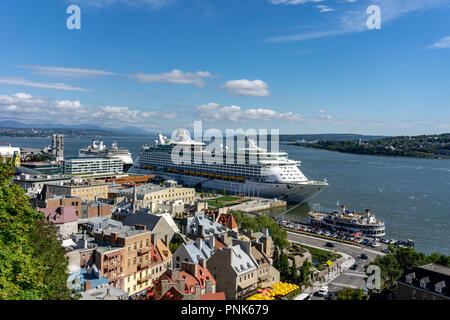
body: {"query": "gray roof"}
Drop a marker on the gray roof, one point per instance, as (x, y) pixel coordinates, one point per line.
(199, 249)
(209, 227)
(101, 293)
(97, 223)
(124, 232)
(149, 220)
(241, 261)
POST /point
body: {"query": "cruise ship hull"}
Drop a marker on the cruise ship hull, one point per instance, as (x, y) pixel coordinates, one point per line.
(292, 192)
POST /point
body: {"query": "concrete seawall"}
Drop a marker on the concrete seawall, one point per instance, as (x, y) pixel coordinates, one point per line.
(259, 205)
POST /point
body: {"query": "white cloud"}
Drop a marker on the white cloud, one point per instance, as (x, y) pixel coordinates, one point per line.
(67, 72)
(324, 8)
(27, 108)
(292, 2)
(246, 87)
(152, 4)
(214, 112)
(28, 83)
(443, 43)
(353, 19)
(175, 77)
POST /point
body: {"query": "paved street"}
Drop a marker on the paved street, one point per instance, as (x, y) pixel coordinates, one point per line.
(347, 277)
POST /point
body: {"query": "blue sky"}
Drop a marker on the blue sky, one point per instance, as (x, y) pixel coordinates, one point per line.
(301, 66)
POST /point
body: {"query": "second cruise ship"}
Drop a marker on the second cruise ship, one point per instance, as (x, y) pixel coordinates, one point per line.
(272, 175)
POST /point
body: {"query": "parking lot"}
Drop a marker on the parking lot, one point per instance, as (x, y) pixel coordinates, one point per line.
(374, 243)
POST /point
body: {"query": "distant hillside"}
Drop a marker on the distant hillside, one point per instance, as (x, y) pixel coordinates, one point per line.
(10, 128)
(424, 146)
(327, 137)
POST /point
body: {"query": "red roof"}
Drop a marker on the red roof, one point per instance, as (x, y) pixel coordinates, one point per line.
(227, 220)
(218, 244)
(59, 215)
(213, 296)
(191, 281)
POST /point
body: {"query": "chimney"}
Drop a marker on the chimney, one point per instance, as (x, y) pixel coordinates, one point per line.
(181, 284)
(199, 243)
(114, 237)
(211, 242)
(166, 240)
(202, 262)
(174, 273)
(164, 286)
(209, 288)
(87, 285)
(140, 227)
(200, 230)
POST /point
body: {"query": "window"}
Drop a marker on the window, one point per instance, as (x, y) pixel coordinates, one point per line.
(414, 295)
(135, 245)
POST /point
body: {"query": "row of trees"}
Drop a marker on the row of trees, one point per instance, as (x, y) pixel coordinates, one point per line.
(245, 222)
(33, 265)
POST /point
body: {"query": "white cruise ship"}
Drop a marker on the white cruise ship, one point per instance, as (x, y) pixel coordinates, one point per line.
(98, 149)
(272, 175)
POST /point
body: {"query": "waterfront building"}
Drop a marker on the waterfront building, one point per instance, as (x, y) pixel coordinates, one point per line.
(149, 195)
(46, 167)
(28, 181)
(428, 282)
(93, 166)
(64, 218)
(85, 191)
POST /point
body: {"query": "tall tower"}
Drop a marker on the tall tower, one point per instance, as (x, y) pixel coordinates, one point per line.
(58, 146)
(135, 204)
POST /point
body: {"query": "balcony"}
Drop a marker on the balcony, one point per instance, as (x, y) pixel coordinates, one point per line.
(111, 266)
(144, 279)
(143, 265)
(143, 251)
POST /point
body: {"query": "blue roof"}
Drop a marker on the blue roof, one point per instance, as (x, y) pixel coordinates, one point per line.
(81, 276)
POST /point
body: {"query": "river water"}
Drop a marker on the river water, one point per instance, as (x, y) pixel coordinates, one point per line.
(411, 195)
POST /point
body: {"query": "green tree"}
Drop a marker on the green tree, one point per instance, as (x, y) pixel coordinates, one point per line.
(33, 264)
(352, 294)
(293, 272)
(305, 272)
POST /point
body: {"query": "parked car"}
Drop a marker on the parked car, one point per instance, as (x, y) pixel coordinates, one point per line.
(331, 296)
(375, 244)
(323, 291)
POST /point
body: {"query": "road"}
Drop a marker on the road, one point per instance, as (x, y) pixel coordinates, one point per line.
(347, 278)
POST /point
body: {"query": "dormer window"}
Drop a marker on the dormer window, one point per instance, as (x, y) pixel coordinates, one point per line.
(410, 277)
(439, 286)
(424, 281)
